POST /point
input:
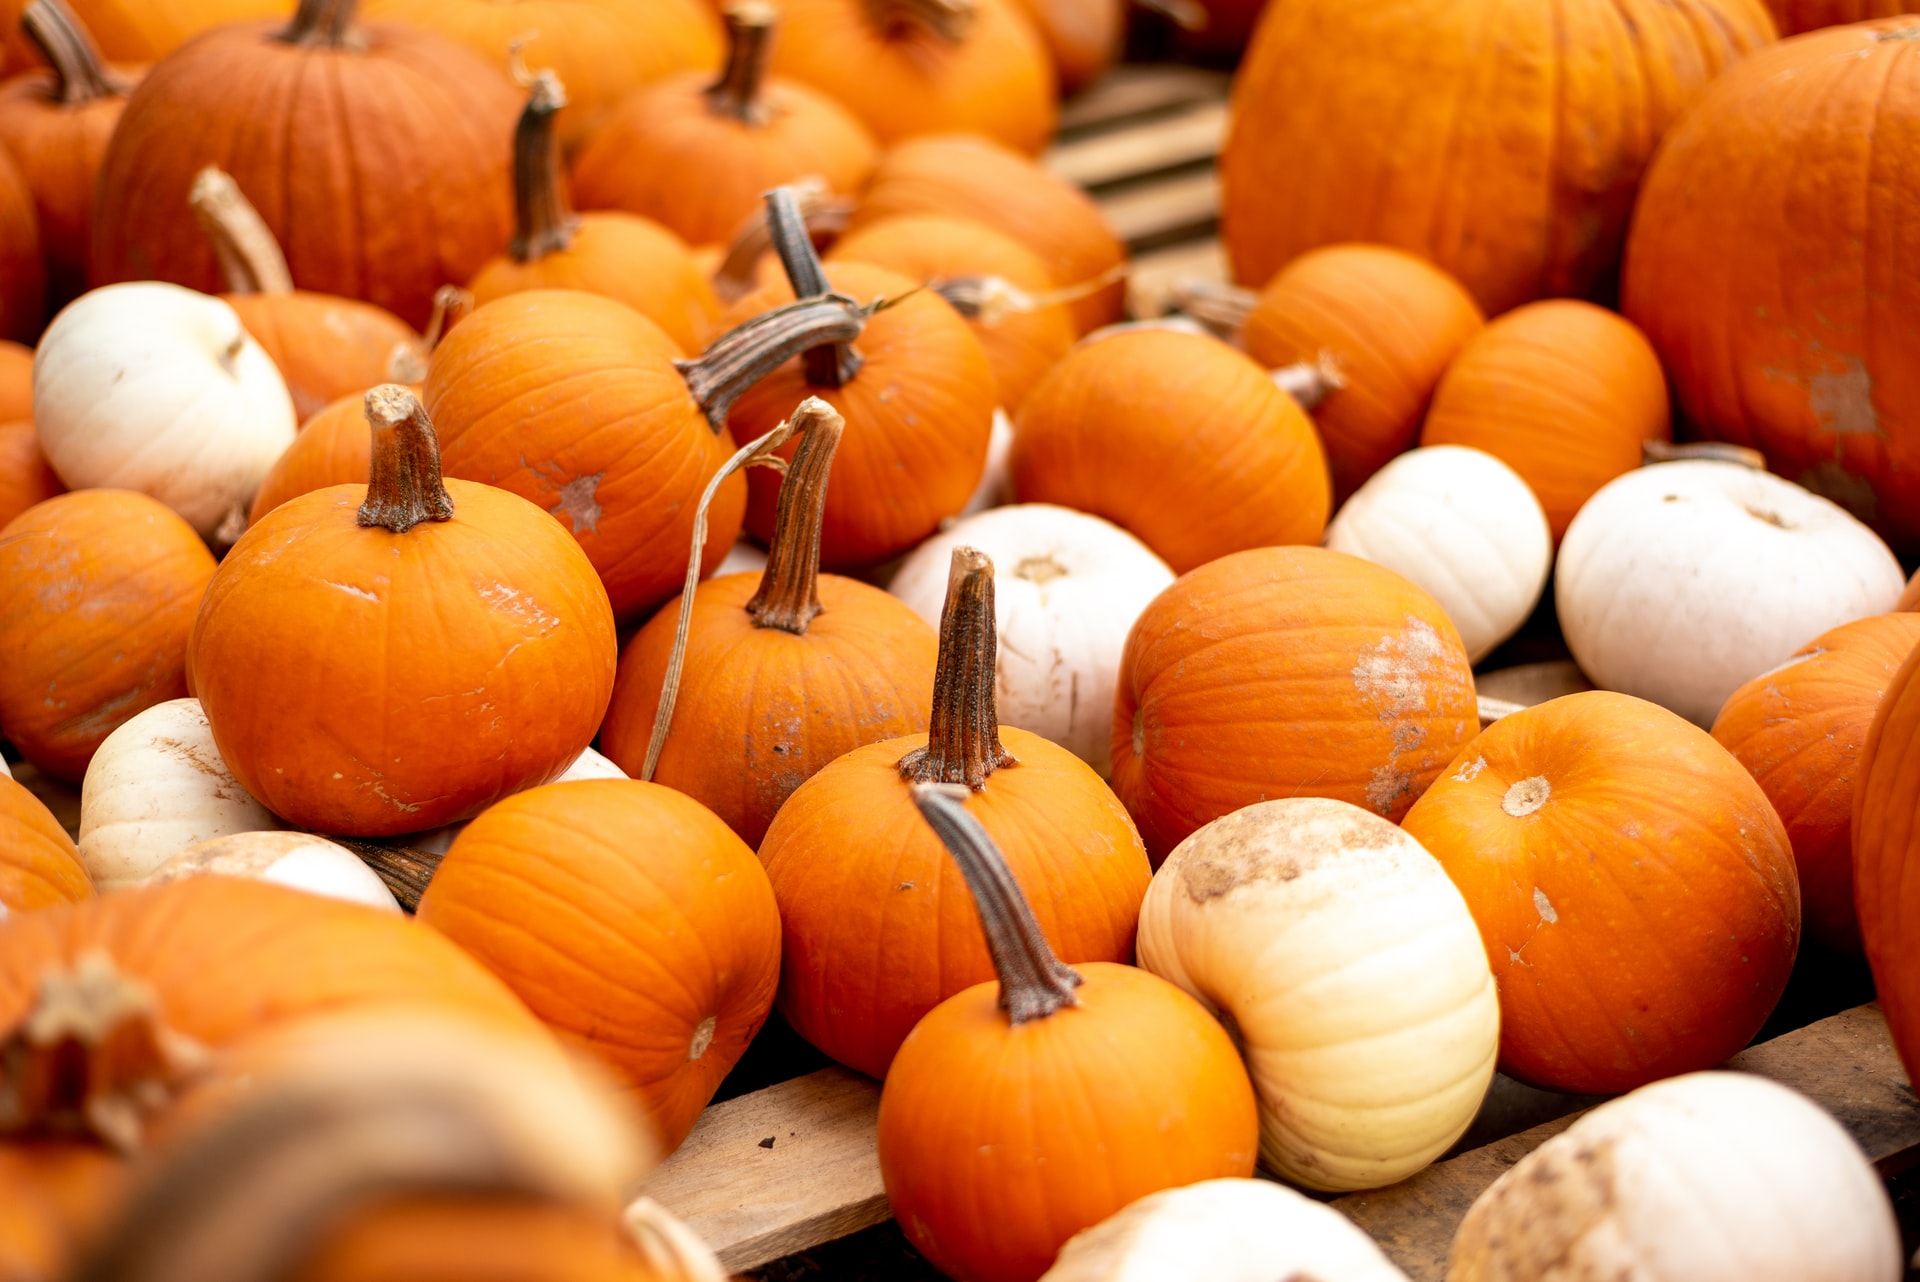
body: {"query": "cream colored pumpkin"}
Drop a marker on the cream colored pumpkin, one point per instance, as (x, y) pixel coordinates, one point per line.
(1461, 524)
(1067, 587)
(588, 765)
(151, 387)
(1681, 582)
(1707, 1177)
(157, 786)
(298, 860)
(1223, 1231)
(1349, 965)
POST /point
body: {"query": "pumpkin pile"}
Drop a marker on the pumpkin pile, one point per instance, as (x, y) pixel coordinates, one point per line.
(548, 535)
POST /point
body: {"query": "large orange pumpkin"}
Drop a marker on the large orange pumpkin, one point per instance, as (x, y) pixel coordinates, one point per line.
(374, 152)
(135, 30)
(39, 864)
(98, 590)
(1796, 16)
(1886, 844)
(633, 921)
(1770, 295)
(1633, 886)
(1283, 672)
(25, 476)
(1518, 131)
(23, 276)
(1563, 392)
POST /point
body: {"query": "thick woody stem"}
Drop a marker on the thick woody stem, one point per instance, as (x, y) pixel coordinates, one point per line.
(825, 214)
(826, 366)
(747, 353)
(950, 20)
(404, 486)
(963, 734)
(324, 24)
(789, 595)
(405, 871)
(79, 75)
(250, 258)
(1033, 982)
(542, 222)
(749, 39)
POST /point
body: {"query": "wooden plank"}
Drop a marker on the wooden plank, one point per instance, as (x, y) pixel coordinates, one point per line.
(1130, 93)
(1178, 209)
(1188, 137)
(818, 1180)
(1150, 284)
(1531, 683)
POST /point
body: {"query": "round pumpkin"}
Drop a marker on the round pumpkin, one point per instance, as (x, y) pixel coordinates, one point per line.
(39, 865)
(1886, 831)
(26, 477)
(16, 381)
(137, 30)
(1633, 886)
(1796, 16)
(23, 274)
(333, 448)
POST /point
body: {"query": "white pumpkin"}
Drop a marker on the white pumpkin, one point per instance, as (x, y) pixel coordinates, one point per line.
(298, 860)
(1708, 1177)
(1681, 582)
(744, 557)
(5, 769)
(437, 841)
(996, 482)
(1353, 974)
(156, 786)
(1067, 588)
(1462, 525)
(1223, 1231)
(151, 387)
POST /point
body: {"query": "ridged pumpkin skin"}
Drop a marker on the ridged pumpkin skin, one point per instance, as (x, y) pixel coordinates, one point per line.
(138, 30)
(1563, 392)
(1390, 321)
(1799, 730)
(381, 168)
(1283, 672)
(25, 476)
(631, 920)
(1633, 886)
(98, 590)
(1796, 16)
(23, 276)
(1521, 184)
(1886, 842)
(334, 447)
(16, 381)
(1781, 318)
(324, 346)
(39, 865)
(1180, 440)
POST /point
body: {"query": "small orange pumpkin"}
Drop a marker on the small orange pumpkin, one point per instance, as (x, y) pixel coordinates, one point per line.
(39, 864)
(1886, 843)
(25, 476)
(16, 381)
(135, 30)
(1910, 599)
(23, 275)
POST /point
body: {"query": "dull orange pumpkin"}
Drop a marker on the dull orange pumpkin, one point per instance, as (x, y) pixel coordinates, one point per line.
(134, 31)
(1886, 841)
(39, 864)
(16, 381)
(23, 275)
(25, 476)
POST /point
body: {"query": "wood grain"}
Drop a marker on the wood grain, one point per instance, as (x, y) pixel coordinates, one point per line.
(1127, 95)
(1181, 140)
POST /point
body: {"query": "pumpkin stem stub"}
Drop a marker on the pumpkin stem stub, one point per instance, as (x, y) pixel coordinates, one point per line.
(829, 365)
(408, 361)
(789, 595)
(1221, 307)
(1310, 382)
(404, 486)
(80, 77)
(963, 735)
(745, 354)
(949, 20)
(324, 24)
(251, 261)
(1652, 452)
(736, 93)
(1033, 982)
(542, 223)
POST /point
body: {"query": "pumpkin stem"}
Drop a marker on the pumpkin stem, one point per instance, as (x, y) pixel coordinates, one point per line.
(407, 363)
(406, 871)
(1221, 307)
(990, 299)
(1652, 452)
(825, 214)
(749, 39)
(1033, 982)
(829, 365)
(250, 258)
(324, 24)
(91, 1057)
(1310, 382)
(789, 595)
(80, 76)
(747, 353)
(404, 486)
(963, 735)
(949, 20)
(542, 223)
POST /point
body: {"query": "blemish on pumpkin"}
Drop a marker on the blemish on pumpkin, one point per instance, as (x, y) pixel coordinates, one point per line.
(350, 590)
(702, 1038)
(1842, 400)
(578, 505)
(1851, 491)
(1544, 906)
(1139, 732)
(1392, 673)
(1527, 796)
(1039, 569)
(1387, 786)
(1471, 771)
(1771, 518)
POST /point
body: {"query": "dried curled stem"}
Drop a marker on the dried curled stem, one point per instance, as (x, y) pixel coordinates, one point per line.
(250, 258)
(789, 593)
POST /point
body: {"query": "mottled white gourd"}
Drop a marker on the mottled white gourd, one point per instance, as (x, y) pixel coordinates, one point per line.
(157, 786)
(1707, 1177)
(1681, 582)
(588, 765)
(1067, 588)
(1340, 952)
(1223, 1231)
(1462, 525)
(297, 860)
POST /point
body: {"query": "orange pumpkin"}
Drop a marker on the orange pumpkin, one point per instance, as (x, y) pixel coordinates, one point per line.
(1886, 842)
(39, 864)
(1563, 392)
(23, 276)
(1521, 186)
(744, 133)
(16, 382)
(333, 448)
(1910, 599)
(455, 645)
(875, 932)
(656, 914)
(1021, 1112)
(1284, 672)
(373, 151)
(1151, 427)
(1778, 317)
(1388, 321)
(97, 594)
(1083, 37)
(25, 476)
(134, 31)
(784, 671)
(1633, 886)
(54, 1196)
(1796, 16)
(962, 176)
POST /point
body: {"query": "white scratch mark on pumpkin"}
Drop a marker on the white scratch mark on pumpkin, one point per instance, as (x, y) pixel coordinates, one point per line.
(1471, 771)
(1387, 786)
(1544, 907)
(350, 590)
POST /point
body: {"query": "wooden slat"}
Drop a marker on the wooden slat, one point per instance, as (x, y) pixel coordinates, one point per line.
(1127, 94)
(1186, 138)
(1531, 683)
(1182, 208)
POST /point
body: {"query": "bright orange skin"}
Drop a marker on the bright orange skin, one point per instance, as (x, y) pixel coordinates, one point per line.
(630, 260)
(760, 711)
(16, 381)
(1285, 672)
(962, 176)
(1021, 346)
(325, 347)
(878, 927)
(38, 862)
(1503, 139)
(1799, 730)
(551, 389)
(1563, 392)
(919, 414)
(135, 30)
(1390, 320)
(1154, 428)
(23, 275)
(1784, 322)
(440, 669)
(98, 590)
(315, 137)
(25, 476)
(1643, 919)
(479, 1239)
(628, 917)
(54, 1194)
(641, 156)
(1796, 16)
(999, 1142)
(334, 447)
(1886, 842)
